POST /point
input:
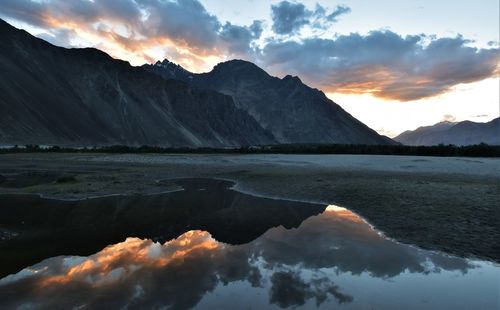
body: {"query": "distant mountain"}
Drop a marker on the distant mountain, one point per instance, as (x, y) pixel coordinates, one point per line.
(76, 97)
(53, 95)
(289, 109)
(462, 133)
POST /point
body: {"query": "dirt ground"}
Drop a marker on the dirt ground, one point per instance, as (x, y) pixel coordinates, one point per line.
(447, 204)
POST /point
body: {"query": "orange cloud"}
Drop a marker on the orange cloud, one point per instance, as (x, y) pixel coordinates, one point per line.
(132, 254)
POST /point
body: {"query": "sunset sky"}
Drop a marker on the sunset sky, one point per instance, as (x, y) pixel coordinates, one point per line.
(395, 65)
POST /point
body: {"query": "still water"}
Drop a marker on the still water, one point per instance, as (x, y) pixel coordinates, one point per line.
(223, 250)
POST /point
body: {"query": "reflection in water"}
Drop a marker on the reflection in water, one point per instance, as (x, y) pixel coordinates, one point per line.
(41, 228)
(334, 259)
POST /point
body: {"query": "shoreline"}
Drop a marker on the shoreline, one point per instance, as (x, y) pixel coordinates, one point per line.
(451, 210)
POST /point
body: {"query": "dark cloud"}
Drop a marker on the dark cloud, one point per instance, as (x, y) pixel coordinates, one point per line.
(383, 63)
(185, 20)
(239, 38)
(288, 289)
(289, 17)
(48, 13)
(339, 10)
(256, 28)
(27, 11)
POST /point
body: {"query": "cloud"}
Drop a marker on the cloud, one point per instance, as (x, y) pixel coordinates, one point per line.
(383, 63)
(352, 246)
(59, 37)
(289, 17)
(239, 38)
(182, 21)
(47, 13)
(290, 290)
(448, 118)
(481, 115)
(132, 28)
(340, 10)
(142, 274)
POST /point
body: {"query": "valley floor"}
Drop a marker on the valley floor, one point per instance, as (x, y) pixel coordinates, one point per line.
(448, 204)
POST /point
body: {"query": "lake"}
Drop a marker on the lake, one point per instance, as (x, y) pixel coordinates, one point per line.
(208, 246)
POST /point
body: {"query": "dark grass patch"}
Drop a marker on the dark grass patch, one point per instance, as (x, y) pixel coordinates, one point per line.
(66, 179)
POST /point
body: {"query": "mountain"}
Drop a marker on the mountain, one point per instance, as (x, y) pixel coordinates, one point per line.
(289, 109)
(79, 97)
(424, 131)
(170, 71)
(53, 95)
(462, 133)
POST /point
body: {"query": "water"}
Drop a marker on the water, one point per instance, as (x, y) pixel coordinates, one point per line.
(210, 247)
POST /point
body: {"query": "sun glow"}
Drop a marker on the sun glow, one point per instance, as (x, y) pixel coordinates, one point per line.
(478, 102)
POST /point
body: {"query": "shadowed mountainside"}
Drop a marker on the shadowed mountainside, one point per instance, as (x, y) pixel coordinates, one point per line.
(289, 109)
(53, 95)
(84, 97)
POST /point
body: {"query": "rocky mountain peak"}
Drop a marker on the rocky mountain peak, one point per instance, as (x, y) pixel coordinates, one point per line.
(290, 110)
(240, 68)
(292, 79)
(169, 70)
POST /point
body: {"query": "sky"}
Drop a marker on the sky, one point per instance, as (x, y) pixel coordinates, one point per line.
(394, 65)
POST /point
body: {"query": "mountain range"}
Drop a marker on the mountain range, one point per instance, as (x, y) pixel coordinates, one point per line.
(289, 109)
(77, 97)
(460, 133)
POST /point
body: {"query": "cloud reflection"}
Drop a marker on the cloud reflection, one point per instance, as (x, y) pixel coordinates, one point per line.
(293, 265)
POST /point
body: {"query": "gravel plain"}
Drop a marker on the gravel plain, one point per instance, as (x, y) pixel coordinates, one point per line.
(448, 204)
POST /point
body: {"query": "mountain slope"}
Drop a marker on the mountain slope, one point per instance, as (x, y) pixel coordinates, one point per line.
(52, 95)
(289, 109)
(462, 133)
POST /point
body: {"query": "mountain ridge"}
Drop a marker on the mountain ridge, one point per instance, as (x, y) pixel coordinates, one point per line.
(54, 95)
(458, 133)
(85, 97)
(292, 111)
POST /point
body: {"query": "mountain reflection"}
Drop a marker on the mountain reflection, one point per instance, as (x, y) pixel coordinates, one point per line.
(292, 267)
(42, 228)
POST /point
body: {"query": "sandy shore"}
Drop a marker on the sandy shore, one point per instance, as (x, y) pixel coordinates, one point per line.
(448, 204)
